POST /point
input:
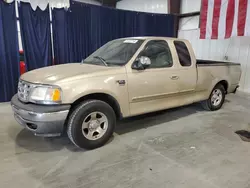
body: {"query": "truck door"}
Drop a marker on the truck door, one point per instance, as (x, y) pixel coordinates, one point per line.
(155, 87)
(187, 72)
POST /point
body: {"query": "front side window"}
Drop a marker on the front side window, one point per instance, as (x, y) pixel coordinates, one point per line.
(115, 53)
(159, 53)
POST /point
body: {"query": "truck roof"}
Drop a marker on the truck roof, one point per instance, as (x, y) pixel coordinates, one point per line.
(153, 37)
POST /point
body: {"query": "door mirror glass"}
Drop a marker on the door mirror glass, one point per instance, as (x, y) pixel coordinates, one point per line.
(145, 61)
(141, 63)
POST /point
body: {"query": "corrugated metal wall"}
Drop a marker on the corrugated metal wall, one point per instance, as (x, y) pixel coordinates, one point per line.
(190, 6)
(236, 49)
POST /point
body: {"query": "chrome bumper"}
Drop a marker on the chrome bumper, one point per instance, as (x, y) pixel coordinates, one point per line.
(41, 123)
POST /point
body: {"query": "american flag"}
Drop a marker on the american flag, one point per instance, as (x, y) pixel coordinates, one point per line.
(222, 19)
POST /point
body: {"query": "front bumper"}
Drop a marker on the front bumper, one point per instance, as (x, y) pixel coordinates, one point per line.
(42, 120)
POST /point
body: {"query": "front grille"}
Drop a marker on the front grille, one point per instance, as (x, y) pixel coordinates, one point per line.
(24, 90)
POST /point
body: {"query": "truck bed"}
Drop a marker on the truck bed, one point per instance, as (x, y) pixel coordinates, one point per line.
(212, 71)
(201, 62)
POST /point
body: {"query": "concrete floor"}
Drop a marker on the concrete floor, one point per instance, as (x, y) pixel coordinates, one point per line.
(183, 147)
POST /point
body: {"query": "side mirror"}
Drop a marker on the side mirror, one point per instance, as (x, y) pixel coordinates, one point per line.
(141, 63)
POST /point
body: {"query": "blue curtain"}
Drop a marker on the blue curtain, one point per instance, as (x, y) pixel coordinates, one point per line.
(9, 57)
(61, 39)
(79, 33)
(36, 36)
(71, 34)
(83, 28)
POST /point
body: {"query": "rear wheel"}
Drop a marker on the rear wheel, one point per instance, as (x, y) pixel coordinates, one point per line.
(216, 98)
(91, 124)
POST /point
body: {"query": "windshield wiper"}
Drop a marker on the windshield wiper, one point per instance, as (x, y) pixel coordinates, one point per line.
(114, 64)
(102, 60)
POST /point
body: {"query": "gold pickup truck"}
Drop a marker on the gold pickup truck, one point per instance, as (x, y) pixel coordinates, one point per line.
(125, 77)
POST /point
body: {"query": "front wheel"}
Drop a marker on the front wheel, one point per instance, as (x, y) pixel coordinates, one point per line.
(216, 98)
(91, 124)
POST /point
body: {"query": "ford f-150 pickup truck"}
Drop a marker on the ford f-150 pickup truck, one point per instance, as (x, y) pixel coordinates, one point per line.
(125, 77)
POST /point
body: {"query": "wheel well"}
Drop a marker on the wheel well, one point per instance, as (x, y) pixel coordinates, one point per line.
(224, 84)
(102, 97)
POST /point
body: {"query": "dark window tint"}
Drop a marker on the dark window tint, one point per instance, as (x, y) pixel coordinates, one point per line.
(183, 53)
(159, 54)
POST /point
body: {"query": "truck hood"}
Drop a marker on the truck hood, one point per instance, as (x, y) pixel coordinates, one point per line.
(67, 72)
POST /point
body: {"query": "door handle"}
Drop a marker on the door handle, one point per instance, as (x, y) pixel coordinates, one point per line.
(174, 77)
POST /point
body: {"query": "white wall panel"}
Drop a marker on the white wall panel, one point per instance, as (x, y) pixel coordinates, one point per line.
(154, 6)
(190, 6)
(189, 23)
(90, 2)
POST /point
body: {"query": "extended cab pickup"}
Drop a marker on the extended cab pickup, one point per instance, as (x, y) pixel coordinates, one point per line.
(123, 78)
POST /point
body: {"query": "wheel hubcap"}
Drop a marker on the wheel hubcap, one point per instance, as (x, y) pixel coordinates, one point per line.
(216, 97)
(95, 125)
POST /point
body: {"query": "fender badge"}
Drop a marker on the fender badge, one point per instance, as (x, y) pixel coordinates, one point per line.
(121, 82)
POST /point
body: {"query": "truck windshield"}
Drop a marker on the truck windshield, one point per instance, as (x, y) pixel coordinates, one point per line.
(115, 53)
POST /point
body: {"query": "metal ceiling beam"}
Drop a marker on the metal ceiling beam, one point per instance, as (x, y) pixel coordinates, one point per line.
(190, 14)
(174, 7)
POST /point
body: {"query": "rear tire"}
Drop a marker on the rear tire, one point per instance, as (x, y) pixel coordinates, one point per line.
(216, 98)
(91, 124)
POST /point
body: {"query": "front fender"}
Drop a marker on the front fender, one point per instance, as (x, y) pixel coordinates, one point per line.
(104, 84)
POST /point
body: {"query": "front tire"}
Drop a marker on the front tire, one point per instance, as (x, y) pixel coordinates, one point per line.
(216, 98)
(91, 124)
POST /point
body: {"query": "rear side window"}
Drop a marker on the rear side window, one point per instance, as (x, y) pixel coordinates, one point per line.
(183, 53)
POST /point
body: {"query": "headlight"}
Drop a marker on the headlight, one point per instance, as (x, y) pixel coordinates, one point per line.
(46, 95)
